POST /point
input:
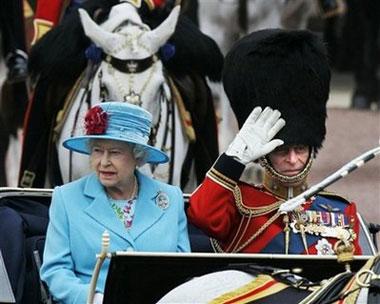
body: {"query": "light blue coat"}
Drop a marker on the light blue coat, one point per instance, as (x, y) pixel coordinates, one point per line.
(80, 213)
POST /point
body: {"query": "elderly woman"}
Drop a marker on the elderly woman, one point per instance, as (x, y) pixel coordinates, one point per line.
(140, 213)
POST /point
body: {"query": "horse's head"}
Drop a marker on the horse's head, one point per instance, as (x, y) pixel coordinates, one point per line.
(130, 69)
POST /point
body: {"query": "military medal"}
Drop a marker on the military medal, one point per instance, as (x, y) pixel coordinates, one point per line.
(162, 200)
(324, 224)
(324, 247)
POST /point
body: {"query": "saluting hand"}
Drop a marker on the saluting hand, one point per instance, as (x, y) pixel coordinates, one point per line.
(254, 139)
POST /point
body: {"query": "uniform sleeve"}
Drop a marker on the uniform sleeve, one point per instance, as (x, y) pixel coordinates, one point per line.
(183, 235)
(212, 205)
(58, 268)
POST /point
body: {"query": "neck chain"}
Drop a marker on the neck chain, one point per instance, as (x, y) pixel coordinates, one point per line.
(133, 193)
(130, 95)
(125, 209)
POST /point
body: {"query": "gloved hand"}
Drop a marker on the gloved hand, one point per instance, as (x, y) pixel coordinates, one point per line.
(254, 139)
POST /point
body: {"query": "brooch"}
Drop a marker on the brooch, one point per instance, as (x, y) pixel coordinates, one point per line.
(162, 200)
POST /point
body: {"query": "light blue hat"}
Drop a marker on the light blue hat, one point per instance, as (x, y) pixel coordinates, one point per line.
(117, 121)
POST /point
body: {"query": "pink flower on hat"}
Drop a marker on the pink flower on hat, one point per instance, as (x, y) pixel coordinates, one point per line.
(95, 121)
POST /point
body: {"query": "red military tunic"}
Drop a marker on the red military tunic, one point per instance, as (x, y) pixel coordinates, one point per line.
(243, 218)
(48, 14)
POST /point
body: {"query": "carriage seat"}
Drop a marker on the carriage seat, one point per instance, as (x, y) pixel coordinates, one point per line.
(24, 224)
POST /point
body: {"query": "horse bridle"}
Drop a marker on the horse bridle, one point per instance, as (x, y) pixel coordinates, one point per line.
(153, 135)
(130, 66)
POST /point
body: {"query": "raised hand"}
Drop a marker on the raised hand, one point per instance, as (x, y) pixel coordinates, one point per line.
(254, 139)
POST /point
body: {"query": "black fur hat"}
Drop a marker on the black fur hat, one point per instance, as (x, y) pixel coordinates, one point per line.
(286, 70)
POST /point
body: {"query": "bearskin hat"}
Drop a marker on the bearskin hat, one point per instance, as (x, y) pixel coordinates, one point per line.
(286, 70)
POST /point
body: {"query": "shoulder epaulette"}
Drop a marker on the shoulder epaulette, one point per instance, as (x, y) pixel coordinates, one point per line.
(221, 179)
(335, 196)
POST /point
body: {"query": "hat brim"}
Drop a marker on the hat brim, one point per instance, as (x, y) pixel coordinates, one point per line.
(80, 144)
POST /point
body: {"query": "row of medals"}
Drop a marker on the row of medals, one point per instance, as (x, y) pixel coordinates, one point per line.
(321, 223)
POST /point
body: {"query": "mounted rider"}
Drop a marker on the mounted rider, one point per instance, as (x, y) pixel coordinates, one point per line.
(58, 64)
(287, 73)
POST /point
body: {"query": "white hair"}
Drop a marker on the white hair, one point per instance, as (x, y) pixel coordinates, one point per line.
(140, 153)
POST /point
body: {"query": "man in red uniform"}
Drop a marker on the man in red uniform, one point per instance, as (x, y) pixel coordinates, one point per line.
(287, 71)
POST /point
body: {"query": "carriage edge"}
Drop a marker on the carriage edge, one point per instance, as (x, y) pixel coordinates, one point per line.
(165, 271)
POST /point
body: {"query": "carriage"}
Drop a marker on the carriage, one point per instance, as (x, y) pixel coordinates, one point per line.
(163, 272)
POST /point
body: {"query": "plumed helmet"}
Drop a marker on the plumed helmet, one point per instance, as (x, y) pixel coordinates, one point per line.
(286, 70)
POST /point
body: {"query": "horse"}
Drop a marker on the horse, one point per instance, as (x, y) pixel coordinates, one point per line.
(138, 66)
